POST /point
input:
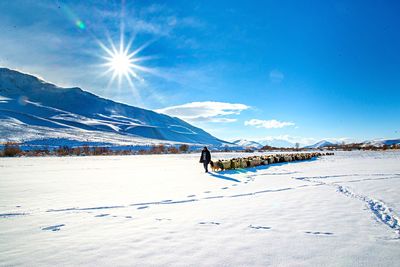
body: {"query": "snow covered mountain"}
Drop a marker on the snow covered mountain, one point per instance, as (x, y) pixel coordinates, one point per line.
(277, 143)
(321, 144)
(36, 112)
(381, 142)
(246, 143)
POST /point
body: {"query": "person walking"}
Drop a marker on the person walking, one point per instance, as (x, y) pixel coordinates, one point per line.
(205, 158)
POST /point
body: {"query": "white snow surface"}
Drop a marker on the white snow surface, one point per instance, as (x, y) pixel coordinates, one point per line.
(381, 142)
(163, 210)
(321, 144)
(246, 143)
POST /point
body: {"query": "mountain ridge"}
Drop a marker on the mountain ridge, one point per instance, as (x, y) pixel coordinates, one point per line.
(247, 144)
(321, 144)
(34, 103)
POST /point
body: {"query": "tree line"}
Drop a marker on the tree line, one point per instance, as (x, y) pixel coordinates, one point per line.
(11, 149)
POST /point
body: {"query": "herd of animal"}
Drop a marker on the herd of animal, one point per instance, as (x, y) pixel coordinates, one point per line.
(254, 161)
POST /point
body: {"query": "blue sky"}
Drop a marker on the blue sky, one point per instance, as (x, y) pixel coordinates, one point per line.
(300, 71)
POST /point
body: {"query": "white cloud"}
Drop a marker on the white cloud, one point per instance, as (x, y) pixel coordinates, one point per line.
(207, 111)
(268, 124)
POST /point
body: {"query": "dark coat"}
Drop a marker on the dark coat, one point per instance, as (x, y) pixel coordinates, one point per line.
(207, 154)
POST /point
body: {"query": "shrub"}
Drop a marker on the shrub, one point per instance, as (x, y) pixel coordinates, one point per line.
(184, 148)
(172, 150)
(101, 151)
(11, 150)
(158, 149)
(63, 151)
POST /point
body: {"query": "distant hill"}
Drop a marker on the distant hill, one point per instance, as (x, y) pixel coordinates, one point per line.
(381, 142)
(247, 144)
(33, 111)
(321, 144)
(277, 143)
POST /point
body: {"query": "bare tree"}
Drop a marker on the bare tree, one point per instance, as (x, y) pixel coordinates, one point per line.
(297, 146)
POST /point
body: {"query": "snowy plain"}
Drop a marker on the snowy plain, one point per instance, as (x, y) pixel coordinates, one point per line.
(163, 210)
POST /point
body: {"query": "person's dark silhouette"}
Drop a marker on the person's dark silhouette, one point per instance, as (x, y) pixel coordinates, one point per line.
(205, 158)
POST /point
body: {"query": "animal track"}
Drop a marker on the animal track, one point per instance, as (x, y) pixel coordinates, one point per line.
(53, 228)
(382, 212)
(163, 219)
(259, 227)
(102, 215)
(319, 233)
(180, 201)
(11, 214)
(84, 209)
(214, 197)
(216, 223)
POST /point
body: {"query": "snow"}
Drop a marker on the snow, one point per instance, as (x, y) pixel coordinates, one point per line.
(49, 110)
(246, 143)
(33, 136)
(321, 144)
(381, 142)
(163, 210)
(276, 142)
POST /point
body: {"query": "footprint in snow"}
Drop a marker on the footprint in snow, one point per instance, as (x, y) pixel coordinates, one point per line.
(162, 219)
(191, 195)
(319, 233)
(259, 227)
(207, 192)
(223, 188)
(214, 197)
(102, 215)
(12, 214)
(53, 228)
(215, 223)
(142, 207)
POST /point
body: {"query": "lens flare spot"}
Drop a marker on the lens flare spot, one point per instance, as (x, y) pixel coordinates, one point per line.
(80, 24)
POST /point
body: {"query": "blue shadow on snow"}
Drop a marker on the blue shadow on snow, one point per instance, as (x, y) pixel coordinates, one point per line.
(262, 167)
(219, 176)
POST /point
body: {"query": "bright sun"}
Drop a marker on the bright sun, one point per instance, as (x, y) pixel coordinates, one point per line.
(120, 63)
(123, 63)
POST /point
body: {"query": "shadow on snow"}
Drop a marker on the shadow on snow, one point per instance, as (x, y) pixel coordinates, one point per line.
(221, 174)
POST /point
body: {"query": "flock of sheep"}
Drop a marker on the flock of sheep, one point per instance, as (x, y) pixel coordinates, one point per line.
(254, 161)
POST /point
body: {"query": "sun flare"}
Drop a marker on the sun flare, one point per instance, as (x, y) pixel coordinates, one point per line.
(124, 63)
(120, 63)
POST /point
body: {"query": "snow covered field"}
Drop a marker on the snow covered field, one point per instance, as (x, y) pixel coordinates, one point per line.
(340, 210)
